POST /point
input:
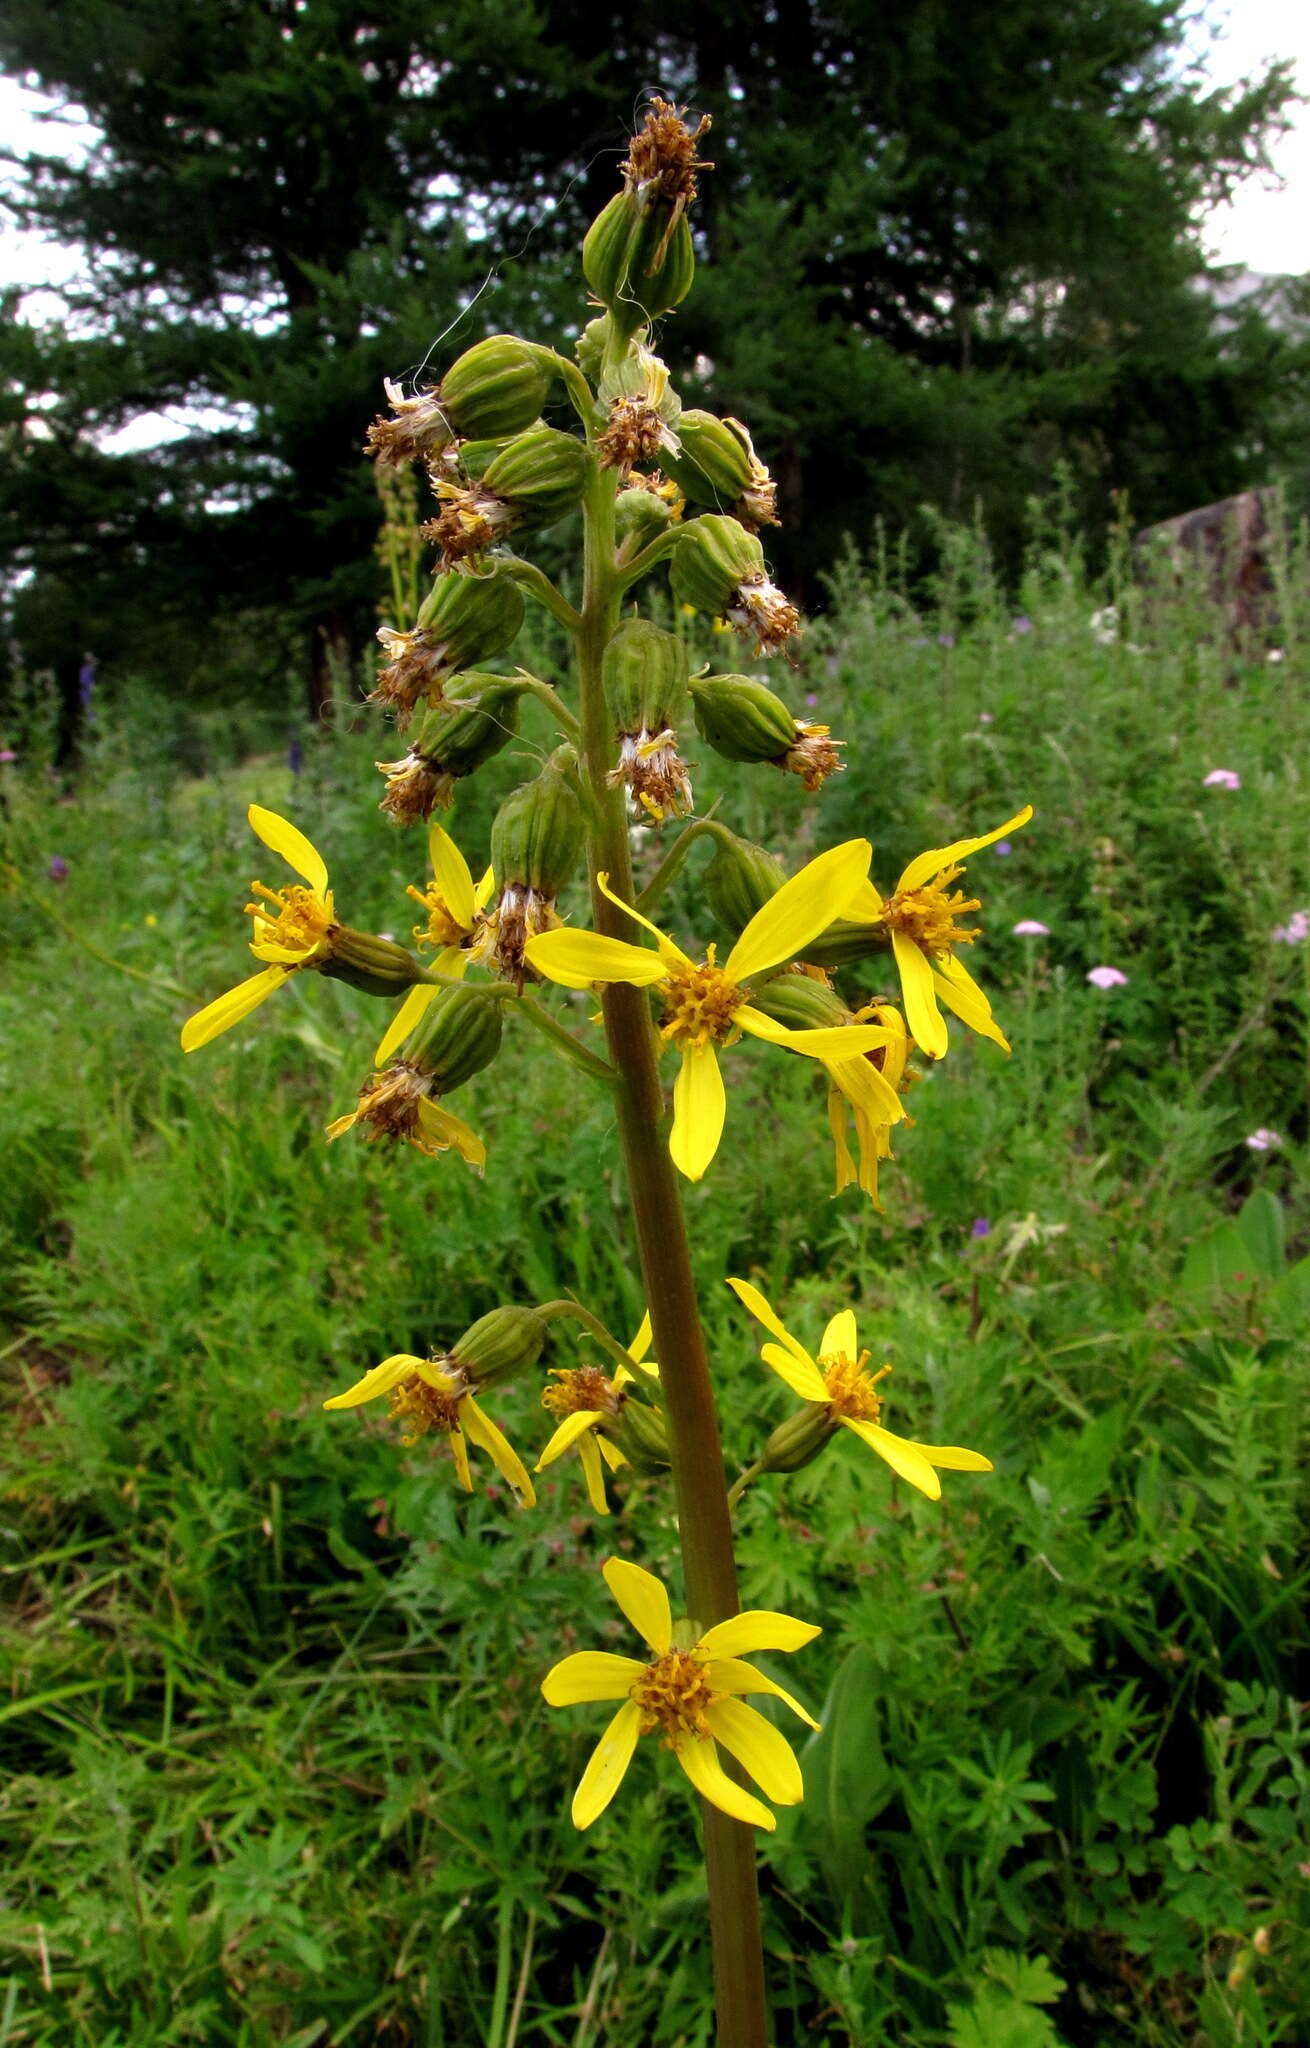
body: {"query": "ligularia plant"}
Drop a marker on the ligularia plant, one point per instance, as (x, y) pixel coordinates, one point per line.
(659, 490)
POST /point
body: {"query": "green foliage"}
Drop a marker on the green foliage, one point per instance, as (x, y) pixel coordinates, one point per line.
(270, 1778)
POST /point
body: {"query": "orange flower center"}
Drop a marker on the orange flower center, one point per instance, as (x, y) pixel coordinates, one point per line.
(700, 1003)
(928, 915)
(674, 1695)
(302, 921)
(443, 927)
(580, 1387)
(422, 1408)
(850, 1387)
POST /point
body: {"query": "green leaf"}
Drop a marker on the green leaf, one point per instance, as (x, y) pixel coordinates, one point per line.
(1261, 1225)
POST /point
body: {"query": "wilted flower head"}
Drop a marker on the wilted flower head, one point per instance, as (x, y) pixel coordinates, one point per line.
(1107, 977)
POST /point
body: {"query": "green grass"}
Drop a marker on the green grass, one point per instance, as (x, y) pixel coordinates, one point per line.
(279, 1769)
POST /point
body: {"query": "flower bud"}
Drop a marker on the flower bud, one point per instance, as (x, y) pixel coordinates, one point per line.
(642, 1434)
(716, 465)
(453, 740)
(458, 1034)
(741, 718)
(645, 677)
(529, 483)
(377, 967)
(843, 943)
(637, 256)
(798, 1441)
(641, 512)
(462, 621)
(712, 557)
(739, 880)
(801, 1003)
(496, 388)
(499, 1345)
(595, 342)
(536, 842)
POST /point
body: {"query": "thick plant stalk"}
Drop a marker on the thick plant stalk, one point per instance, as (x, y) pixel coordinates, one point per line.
(700, 1483)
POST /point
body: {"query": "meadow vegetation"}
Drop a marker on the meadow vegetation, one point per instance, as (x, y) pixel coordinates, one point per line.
(273, 1776)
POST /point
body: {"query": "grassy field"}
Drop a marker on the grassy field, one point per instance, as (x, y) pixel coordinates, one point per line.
(278, 1768)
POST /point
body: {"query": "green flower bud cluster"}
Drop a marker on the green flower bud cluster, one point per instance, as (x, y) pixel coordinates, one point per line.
(537, 839)
(499, 1346)
(463, 621)
(525, 485)
(457, 1036)
(743, 720)
(453, 740)
(717, 567)
(497, 388)
(637, 256)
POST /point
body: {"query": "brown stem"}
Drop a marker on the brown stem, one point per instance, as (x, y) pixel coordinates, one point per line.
(700, 1483)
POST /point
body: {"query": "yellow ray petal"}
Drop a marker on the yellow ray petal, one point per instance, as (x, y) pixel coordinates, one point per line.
(927, 1026)
(699, 1107)
(380, 1381)
(577, 959)
(926, 865)
(609, 1760)
(485, 889)
(445, 1128)
(757, 1629)
(341, 1124)
(671, 954)
(593, 1474)
(905, 1458)
(836, 1041)
(227, 1010)
(958, 989)
(865, 1088)
(640, 1344)
(800, 910)
(611, 1453)
(951, 1458)
(286, 839)
(751, 1298)
(404, 1021)
(459, 1451)
(700, 1760)
(643, 1600)
(757, 1745)
(485, 1433)
(865, 906)
(451, 872)
(803, 1379)
(590, 1675)
(572, 1427)
(288, 956)
(733, 1675)
(845, 1165)
(840, 1337)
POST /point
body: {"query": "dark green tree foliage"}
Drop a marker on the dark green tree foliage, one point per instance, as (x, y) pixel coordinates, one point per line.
(950, 243)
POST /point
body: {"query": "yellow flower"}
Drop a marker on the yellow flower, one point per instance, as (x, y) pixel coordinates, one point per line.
(922, 918)
(838, 1381)
(873, 1126)
(585, 1400)
(429, 1394)
(690, 1693)
(454, 922)
(706, 1005)
(401, 1103)
(293, 928)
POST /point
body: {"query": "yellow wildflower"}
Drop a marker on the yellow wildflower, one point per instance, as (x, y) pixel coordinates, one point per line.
(293, 928)
(401, 1103)
(428, 1394)
(706, 1005)
(454, 907)
(923, 921)
(689, 1693)
(585, 1400)
(837, 1380)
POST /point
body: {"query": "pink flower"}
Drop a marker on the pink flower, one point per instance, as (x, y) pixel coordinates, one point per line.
(986, 718)
(1222, 778)
(1263, 1140)
(7, 755)
(1107, 977)
(1295, 931)
(1031, 928)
